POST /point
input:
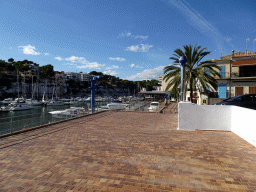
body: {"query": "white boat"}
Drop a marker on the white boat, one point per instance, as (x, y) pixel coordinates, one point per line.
(115, 104)
(79, 99)
(74, 102)
(5, 108)
(69, 101)
(7, 100)
(55, 103)
(19, 107)
(19, 100)
(67, 113)
(33, 102)
(98, 99)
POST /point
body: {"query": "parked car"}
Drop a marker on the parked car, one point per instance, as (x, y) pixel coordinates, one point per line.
(153, 106)
(247, 101)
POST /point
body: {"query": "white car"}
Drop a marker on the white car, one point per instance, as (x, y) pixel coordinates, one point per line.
(153, 106)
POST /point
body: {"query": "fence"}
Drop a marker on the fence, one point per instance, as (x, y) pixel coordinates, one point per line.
(16, 123)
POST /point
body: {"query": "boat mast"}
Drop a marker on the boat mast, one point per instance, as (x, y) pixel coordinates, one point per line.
(37, 88)
(24, 87)
(18, 85)
(32, 88)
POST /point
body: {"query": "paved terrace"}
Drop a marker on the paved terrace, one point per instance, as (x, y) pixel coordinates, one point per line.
(126, 151)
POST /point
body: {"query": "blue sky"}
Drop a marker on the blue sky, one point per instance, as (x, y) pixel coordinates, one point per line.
(130, 39)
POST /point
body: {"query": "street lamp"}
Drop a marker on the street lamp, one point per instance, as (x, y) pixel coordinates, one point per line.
(182, 61)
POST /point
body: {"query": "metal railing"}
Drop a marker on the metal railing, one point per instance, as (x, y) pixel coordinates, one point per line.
(17, 123)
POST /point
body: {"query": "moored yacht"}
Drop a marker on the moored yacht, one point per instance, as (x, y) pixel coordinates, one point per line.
(71, 112)
(7, 100)
(115, 104)
(19, 107)
(33, 102)
(55, 103)
(19, 100)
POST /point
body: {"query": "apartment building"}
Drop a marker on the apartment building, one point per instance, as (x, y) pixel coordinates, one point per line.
(76, 76)
(238, 74)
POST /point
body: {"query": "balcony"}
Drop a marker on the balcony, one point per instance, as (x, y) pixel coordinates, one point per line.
(235, 75)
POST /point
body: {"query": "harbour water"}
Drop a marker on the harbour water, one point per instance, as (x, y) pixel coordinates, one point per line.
(17, 120)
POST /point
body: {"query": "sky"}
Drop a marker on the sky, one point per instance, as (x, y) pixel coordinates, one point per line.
(129, 39)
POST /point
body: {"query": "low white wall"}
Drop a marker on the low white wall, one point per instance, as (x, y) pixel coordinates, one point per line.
(243, 123)
(239, 120)
(205, 117)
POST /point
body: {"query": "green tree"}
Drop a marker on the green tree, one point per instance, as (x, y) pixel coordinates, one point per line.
(11, 60)
(47, 70)
(195, 70)
(96, 73)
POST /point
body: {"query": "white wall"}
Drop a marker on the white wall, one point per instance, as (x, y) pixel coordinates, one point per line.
(239, 120)
(205, 117)
(243, 123)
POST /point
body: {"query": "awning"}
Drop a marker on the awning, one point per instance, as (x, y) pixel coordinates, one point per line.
(244, 63)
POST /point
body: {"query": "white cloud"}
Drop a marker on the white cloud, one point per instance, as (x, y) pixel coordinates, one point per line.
(141, 37)
(134, 48)
(112, 67)
(77, 59)
(46, 53)
(148, 74)
(117, 59)
(125, 34)
(137, 48)
(136, 66)
(29, 50)
(109, 72)
(132, 36)
(85, 63)
(58, 58)
(71, 64)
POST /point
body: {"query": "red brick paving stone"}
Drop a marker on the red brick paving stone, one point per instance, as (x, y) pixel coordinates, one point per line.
(141, 151)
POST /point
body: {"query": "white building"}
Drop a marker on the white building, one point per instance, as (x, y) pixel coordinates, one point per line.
(76, 76)
(85, 76)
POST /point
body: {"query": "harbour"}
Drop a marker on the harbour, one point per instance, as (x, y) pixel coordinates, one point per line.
(11, 121)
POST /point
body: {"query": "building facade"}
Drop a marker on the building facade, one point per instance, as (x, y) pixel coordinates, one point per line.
(238, 75)
(76, 76)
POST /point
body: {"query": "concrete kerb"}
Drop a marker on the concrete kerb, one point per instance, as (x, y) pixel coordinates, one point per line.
(49, 124)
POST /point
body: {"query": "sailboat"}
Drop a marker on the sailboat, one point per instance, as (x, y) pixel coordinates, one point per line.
(32, 101)
(55, 101)
(18, 106)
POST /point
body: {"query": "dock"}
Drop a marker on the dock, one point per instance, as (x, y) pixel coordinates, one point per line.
(126, 151)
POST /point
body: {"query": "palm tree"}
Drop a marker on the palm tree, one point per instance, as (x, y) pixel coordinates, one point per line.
(195, 70)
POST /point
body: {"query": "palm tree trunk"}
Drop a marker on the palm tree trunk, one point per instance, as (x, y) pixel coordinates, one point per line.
(191, 92)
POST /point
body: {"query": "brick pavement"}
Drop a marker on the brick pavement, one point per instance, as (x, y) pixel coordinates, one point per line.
(126, 151)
